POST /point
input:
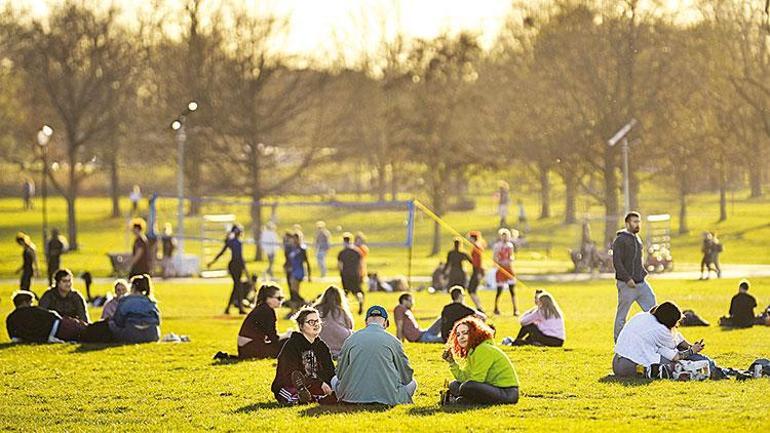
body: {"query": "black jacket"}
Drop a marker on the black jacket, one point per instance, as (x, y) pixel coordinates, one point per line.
(311, 359)
(627, 253)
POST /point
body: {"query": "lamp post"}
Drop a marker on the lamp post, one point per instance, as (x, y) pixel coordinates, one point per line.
(181, 137)
(622, 134)
(43, 137)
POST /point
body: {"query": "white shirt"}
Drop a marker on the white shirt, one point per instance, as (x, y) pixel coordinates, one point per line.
(269, 241)
(645, 341)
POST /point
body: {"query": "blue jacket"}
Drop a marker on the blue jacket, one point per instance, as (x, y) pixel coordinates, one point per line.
(136, 310)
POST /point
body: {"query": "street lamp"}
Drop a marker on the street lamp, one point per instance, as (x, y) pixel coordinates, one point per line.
(622, 134)
(178, 126)
(43, 137)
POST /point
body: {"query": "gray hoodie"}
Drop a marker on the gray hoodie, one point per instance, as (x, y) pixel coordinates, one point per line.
(627, 253)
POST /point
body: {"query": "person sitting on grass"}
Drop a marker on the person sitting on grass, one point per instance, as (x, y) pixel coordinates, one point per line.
(34, 324)
(484, 375)
(542, 325)
(305, 367)
(407, 327)
(258, 337)
(337, 319)
(650, 342)
(455, 311)
(741, 309)
(137, 318)
(120, 286)
(373, 367)
(63, 299)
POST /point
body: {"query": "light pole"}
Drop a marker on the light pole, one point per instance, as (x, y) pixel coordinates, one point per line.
(178, 126)
(43, 137)
(622, 134)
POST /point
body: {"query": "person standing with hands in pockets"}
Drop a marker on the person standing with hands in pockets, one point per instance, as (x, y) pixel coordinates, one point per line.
(627, 251)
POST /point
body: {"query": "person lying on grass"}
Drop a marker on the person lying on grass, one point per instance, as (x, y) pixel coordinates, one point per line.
(33, 324)
(305, 368)
(542, 325)
(484, 375)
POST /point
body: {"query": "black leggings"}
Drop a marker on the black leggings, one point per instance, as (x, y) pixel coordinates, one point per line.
(484, 393)
(235, 270)
(530, 334)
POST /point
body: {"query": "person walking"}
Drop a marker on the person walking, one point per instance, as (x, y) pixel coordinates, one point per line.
(322, 242)
(454, 265)
(505, 277)
(349, 265)
(627, 252)
(269, 242)
(478, 270)
(28, 267)
(141, 255)
(28, 193)
(236, 267)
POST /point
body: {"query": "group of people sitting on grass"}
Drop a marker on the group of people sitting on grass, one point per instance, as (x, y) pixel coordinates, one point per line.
(371, 364)
(372, 367)
(132, 316)
(650, 344)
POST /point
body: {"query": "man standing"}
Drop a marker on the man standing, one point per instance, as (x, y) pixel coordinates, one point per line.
(140, 258)
(373, 367)
(630, 274)
(349, 264)
(53, 251)
(322, 239)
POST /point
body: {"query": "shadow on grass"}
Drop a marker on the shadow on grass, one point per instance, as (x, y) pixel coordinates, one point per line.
(230, 361)
(625, 381)
(259, 406)
(319, 410)
(8, 345)
(95, 347)
(432, 410)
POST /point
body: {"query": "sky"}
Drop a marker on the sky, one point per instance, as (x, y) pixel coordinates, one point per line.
(314, 24)
(320, 26)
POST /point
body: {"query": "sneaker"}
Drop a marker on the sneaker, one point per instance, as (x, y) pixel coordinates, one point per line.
(298, 379)
(221, 355)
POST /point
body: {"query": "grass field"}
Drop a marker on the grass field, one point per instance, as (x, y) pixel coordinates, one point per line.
(177, 387)
(744, 234)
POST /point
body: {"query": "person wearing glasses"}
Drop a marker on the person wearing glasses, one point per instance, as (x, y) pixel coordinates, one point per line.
(305, 368)
(258, 337)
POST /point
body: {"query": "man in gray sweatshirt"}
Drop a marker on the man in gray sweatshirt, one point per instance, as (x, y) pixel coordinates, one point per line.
(627, 257)
(373, 367)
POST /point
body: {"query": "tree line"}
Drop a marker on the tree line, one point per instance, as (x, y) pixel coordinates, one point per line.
(560, 79)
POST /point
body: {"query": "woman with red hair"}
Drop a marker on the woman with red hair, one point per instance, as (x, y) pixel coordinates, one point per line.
(484, 374)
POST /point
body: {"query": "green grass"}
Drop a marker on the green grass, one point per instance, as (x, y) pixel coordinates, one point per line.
(744, 234)
(177, 387)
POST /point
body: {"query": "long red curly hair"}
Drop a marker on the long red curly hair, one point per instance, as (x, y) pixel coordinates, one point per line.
(478, 332)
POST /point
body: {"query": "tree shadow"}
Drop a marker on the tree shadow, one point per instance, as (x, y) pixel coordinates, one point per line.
(259, 406)
(432, 410)
(625, 381)
(346, 408)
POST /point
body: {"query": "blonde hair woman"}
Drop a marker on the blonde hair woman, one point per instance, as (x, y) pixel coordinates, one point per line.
(543, 325)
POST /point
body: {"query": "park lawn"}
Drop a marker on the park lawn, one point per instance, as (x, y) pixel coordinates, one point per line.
(744, 234)
(178, 387)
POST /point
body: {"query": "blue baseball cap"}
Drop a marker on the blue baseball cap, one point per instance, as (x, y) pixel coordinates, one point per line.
(377, 310)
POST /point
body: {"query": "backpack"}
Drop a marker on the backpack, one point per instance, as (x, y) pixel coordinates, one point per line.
(691, 370)
(762, 366)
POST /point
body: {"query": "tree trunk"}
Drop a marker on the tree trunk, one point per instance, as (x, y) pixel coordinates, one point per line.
(610, 196)
(570, 197)
(256, 200)
(393, 182)
(755, 177)
(114, 186)
(545, 191)
(722, 192)
(382, 182)
(683, 205)
(438, 197)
